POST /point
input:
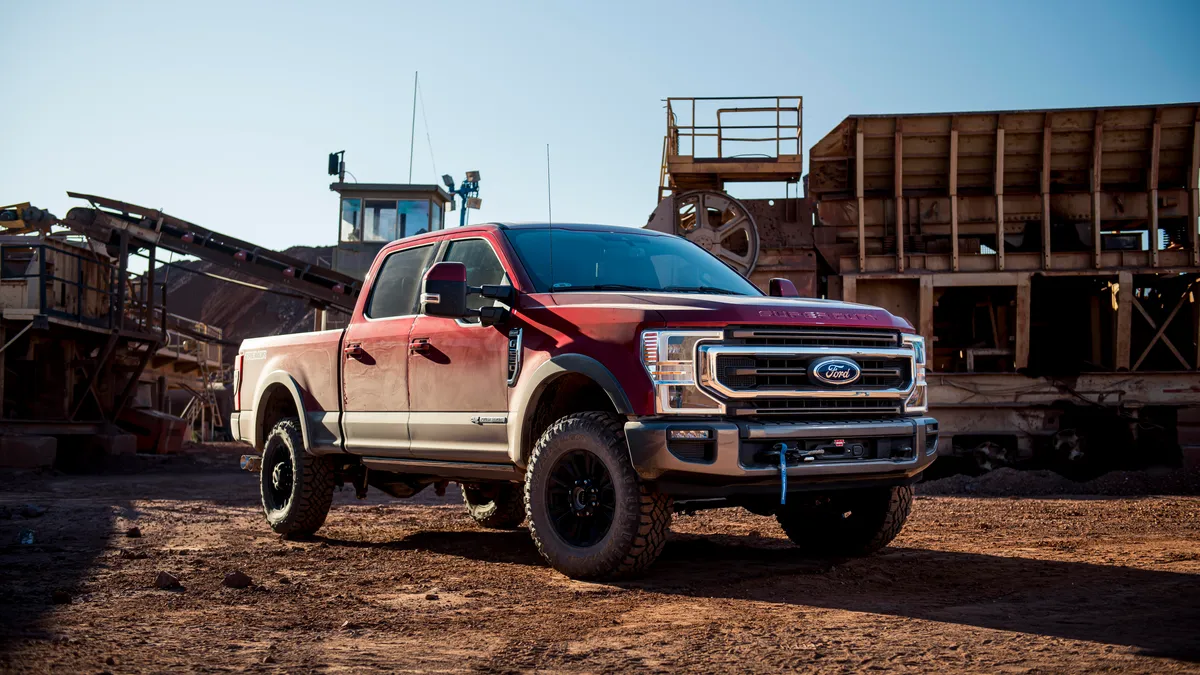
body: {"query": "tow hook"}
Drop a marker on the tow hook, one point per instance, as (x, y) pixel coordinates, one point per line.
(785, 455)
(251, 463)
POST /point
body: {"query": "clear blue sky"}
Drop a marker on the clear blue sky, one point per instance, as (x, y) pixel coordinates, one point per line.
(223, 113)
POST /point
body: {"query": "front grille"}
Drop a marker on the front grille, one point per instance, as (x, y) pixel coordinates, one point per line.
(761, 372)
(812, 337)
(816, 407)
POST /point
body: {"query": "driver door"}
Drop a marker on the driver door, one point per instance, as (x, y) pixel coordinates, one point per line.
(458, 377)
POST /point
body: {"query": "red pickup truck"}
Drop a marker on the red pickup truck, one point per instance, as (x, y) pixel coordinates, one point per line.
(592, 380)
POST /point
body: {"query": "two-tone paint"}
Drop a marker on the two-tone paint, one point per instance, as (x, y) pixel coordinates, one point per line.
(427, 388)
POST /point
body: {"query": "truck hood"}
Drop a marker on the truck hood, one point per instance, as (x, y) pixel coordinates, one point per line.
(695, 309)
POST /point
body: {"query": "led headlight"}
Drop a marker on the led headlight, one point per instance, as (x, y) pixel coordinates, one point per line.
(670, 360)
(918, 400)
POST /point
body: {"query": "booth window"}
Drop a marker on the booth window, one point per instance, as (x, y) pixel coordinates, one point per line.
(351, 220)
(379, 220)
(414, 215)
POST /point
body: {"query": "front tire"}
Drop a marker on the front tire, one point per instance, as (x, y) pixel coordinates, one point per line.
(846, 523)
(296, 487)
(589, 514)
(496, 506)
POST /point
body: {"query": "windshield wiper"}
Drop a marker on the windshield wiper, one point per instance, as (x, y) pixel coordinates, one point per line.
(604, 287)
(700, 289)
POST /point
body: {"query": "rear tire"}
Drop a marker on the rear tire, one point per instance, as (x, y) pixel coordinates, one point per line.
(496, 506)
(847, 522)
(296, 487)
(589, 514)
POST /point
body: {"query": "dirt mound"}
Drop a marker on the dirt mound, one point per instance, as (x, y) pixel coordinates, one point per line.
(1012, 482)
(239, 311)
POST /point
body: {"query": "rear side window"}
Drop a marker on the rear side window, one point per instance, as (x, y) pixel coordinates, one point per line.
(399, 281)
(483, 267)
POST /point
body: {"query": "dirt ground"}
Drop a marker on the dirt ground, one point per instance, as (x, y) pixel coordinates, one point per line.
(974, 583)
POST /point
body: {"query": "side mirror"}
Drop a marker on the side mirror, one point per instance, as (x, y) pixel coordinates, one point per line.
(505, 294)
(783, 288)
(444, 290)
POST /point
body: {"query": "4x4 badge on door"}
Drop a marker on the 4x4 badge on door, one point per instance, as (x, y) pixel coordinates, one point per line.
(834, 370)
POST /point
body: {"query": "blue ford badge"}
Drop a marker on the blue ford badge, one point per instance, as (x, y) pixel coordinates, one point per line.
(834, 370)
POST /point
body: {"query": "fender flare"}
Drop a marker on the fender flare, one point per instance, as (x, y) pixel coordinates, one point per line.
(282, 378)
(532, 387)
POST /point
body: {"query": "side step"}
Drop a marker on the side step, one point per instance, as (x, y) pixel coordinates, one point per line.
(481, 470)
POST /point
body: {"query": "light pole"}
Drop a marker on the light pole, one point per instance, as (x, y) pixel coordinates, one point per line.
(468, 192)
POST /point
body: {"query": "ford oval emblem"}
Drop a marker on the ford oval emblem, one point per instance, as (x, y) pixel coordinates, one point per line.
(834, 370)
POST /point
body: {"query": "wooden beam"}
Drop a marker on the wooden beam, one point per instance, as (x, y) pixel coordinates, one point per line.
(1194, 189)
(1097, 148)
(1046, 148)
(1021, 359)
(849, 288)
(858, 192)
(999, 189)
(1124, 319)
(1152, 186)
(898, 192)
(925, 312)
(1161, 330)
(954, 194)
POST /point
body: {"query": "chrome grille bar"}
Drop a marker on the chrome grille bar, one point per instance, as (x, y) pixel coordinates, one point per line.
(708, 354)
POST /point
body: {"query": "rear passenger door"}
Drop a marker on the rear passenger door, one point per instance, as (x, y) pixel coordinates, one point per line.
(375, 399)
(458, 383)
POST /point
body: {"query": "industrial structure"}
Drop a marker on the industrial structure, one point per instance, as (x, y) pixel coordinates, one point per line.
(1049, 257)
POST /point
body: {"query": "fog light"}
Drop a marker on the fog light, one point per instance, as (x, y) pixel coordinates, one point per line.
(689, 434)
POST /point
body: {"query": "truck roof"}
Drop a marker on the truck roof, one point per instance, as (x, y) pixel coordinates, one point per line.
(485, 227)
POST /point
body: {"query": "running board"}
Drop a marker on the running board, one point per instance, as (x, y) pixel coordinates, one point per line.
(431, 467)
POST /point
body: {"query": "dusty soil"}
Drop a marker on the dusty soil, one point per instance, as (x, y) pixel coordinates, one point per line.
(1048, 584)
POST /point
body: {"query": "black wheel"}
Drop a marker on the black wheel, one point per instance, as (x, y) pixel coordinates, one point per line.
(589, 514)
(496, 506)
(297, 488)
(846, 522)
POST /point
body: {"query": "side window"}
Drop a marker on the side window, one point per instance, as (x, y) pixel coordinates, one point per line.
(395, 290)
(483, 267)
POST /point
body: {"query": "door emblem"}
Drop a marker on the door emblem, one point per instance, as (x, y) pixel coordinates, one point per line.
(834, 370)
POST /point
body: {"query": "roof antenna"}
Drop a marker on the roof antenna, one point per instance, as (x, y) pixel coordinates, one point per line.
(550, 217)
(549, 205)
(412, 134)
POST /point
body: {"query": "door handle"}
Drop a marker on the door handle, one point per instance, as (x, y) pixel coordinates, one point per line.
(419, 346)
(354, 351)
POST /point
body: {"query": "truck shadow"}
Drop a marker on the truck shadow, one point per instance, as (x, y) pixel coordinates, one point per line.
(1156, 612)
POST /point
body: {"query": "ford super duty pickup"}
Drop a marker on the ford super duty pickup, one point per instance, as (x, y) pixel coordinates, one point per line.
(591, 380)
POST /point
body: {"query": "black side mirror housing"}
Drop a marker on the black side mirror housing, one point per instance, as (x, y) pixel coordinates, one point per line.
(505, 294)
(783, 288)
(444, 290)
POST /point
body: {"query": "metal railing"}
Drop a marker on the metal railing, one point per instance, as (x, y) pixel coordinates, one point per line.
(43, 265)
(733, 123)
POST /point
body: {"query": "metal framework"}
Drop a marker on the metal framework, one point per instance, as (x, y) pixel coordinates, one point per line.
(716, 139)
(321, 286)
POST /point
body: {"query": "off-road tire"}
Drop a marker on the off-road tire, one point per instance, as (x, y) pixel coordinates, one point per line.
(312, 482)
(496, 506)
(641, 517)
(846, 523)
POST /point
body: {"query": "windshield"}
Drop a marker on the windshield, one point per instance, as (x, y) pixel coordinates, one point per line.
(587, 260)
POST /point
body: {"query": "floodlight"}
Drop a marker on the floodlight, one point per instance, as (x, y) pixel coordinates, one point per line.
(474, 203)
(472, 176)
(448, 180)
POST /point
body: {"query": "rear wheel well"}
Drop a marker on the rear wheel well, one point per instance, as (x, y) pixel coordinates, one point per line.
(566, 394)
(277, 403)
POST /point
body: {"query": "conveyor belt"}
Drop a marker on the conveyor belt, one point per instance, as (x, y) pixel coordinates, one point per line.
(322, 286)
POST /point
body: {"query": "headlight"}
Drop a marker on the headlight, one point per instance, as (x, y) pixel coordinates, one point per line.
(670, 360)
(918, 400)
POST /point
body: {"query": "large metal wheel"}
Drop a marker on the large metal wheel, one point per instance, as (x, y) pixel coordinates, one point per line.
(716, 222)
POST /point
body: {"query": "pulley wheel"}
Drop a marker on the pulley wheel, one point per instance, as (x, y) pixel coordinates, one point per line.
(713, 220)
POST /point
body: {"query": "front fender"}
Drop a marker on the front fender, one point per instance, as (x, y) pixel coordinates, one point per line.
(533, 385)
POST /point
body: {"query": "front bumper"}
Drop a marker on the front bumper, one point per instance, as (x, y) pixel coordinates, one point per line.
(733, 456)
